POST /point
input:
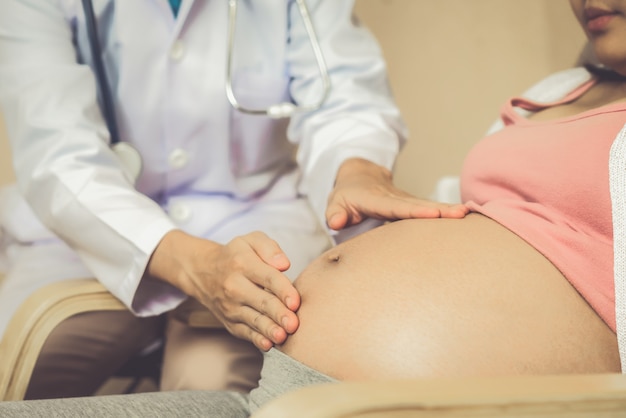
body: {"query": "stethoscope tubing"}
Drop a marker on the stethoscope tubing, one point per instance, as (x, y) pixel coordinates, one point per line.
(286, 109)
(277, 111)
(108, 107)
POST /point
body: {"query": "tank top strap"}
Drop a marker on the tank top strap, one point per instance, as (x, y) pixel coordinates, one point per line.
(509, 114)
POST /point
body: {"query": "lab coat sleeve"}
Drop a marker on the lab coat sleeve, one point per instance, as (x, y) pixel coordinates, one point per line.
(64, 167)
(359, 117)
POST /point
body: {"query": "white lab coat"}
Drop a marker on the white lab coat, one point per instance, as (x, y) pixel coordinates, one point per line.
(208, 169)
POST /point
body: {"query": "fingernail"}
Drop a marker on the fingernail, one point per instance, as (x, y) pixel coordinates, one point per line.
(285, 322)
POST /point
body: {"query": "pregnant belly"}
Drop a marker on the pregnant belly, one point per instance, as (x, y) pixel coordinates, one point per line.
(444, 297)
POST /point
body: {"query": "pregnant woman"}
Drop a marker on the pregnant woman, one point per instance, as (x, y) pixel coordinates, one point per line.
(524, 284)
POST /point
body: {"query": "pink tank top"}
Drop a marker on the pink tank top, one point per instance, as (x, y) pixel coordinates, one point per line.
(548, 182)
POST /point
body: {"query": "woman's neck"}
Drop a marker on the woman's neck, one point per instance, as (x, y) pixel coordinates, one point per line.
(607, 90)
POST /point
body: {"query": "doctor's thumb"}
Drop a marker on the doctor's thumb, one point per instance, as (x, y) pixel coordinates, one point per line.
(279, 261)
(337, 220)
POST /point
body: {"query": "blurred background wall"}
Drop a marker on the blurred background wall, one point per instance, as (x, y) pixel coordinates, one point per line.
(6, 171)
(452, 63)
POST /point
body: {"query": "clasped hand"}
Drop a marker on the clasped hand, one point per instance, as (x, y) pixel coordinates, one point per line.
(241, 282)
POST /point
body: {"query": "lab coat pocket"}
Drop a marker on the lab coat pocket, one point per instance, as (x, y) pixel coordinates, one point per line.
(258, 143)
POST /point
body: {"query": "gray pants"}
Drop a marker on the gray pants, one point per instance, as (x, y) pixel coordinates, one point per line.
(280, 374)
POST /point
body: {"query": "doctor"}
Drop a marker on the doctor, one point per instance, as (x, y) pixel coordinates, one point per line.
(227, 207)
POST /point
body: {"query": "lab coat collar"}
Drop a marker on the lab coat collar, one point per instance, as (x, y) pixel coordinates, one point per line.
(179, 21)
(183, 13)
(175, 24)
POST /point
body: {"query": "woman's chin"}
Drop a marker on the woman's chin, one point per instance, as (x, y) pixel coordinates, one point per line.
(610, 57)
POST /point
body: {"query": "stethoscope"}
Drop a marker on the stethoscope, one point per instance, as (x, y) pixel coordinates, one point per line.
(285, 109)
(130, 157)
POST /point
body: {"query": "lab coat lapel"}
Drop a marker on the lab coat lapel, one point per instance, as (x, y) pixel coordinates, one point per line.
(270, 14)
(166, 10)
(158, 13)
(183, 14)
(260, 35)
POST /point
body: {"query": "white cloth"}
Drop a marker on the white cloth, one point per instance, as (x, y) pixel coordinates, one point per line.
(208, 169)
(617, 180)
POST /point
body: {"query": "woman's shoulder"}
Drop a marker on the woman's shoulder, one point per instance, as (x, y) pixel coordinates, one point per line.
(551, 88)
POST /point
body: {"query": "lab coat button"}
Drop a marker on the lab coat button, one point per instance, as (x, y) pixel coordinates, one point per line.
(180, 212)
(177, 51)
(178, 158)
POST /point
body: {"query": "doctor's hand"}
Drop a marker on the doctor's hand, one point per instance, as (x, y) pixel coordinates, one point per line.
(241, 282)
(365, 190)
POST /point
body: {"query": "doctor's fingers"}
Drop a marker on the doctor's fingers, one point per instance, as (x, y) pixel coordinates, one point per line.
(452, 210)
(275, 298)
(394, 210)
(257, 328)
(268, 277)
(408, 207)
(411, 207)
(253, 324)
(242, 293)
(268, 250)
(261, 260)
(276, 284)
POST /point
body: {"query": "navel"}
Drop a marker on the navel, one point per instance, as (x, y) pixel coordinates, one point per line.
(333, 256)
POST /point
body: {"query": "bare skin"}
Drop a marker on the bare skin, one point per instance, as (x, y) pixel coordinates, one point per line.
(444, 297)
(459, 297)
(243, 283)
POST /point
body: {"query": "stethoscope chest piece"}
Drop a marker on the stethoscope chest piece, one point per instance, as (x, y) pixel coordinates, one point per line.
(130, 159)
